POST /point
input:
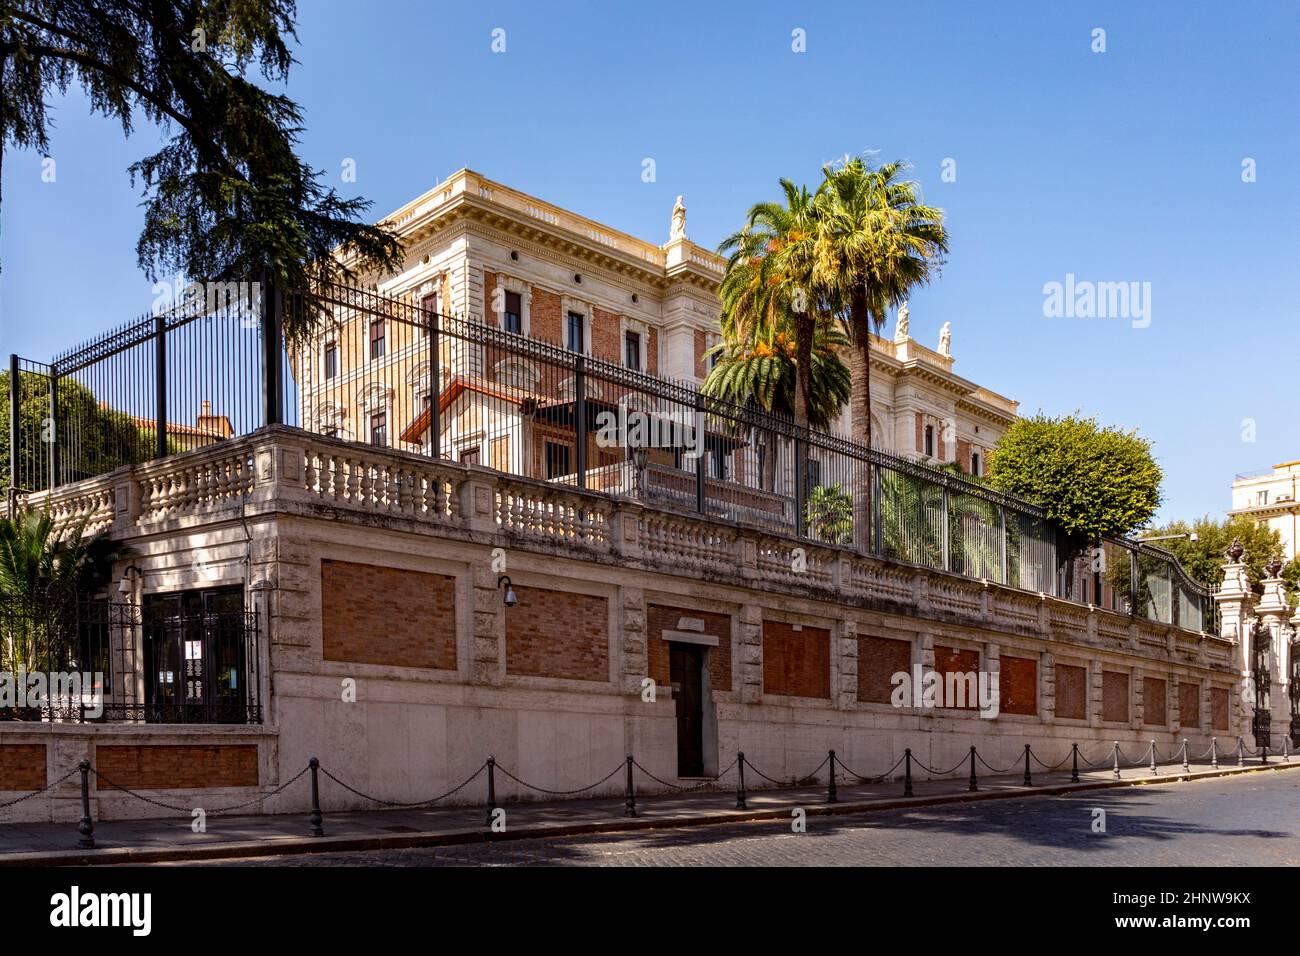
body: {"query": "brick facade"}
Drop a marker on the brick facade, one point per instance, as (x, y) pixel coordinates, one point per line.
(22, 766)
(545, 320)
(879, 659)
(177, 767)
(558, 634)
(958, 661)
(1018, 686)
(1155, 709)
(376, 615)
(1218, 708)
(1071, 692)
(796, 663)
(661, 618)
(1114, 696)
(1189, 705)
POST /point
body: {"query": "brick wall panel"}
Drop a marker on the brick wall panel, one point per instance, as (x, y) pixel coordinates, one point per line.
(376, 615)
(544, 316)
(1114, 696)
(558, 634)
(1219, 708)
(879, 659)
(177, 766)
(1071, 692)
(1155, 704)
(796, 663)
(1189, 705)
(22, 766)
(1018, 686)
(952, 660)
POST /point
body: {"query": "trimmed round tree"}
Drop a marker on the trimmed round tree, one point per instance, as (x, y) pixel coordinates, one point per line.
(1094, 482)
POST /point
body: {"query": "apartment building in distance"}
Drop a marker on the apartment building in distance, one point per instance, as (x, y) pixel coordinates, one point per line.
(482, 252)
(1270, 498)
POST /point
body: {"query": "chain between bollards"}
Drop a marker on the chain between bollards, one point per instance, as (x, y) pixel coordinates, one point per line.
(629, 803)
(492, 789)
(316, 829)
(1074, 763)
(973, 785)
(740, 782)
(907, 772)
(87, 826)
(832, 796)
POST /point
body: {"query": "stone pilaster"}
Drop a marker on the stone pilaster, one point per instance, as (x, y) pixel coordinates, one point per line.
(487, 643)
(1047, 689)
(1272, 612)
(1094, 693)
(847, 658)
(1234, 600)
(636, 652)
(751, 654)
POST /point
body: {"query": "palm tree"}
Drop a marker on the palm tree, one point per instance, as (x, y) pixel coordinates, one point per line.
(768, 283)
(44, 571)
(762, 373)
(875, 242)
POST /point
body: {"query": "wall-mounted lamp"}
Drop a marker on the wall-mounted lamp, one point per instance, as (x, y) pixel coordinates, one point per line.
(511, 598)
(125, 586)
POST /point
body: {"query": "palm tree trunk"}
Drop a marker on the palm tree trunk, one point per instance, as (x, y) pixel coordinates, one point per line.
(860, 406)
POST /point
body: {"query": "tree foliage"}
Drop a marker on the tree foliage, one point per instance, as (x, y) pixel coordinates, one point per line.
(1093, 481)
(1203, 559)
(227, 195)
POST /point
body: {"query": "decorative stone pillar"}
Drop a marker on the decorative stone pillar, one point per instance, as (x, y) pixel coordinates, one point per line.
(636, 652)
(751, 653)
(1272, 612)
(487, 651)
(1235, 600)
(846, 697)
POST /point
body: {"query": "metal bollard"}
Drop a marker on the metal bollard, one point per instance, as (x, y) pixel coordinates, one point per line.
(1029, 780)
(1074, 763)
(315, 819)
(1186, 767)
(907, 772)
(492, 788)
(832, 796)
(87, 826)
(740, 782)
(1241, 752)
(1264, 752)
(973, 785)
(1286, 749)
(1214, 752)
(629, 802)
(1153, 758)
(1117, 760)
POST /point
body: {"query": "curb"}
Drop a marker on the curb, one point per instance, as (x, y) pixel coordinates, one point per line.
(281, 846)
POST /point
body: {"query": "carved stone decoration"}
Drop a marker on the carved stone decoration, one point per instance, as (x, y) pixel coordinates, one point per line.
(901, 329)
(945, 339)
(1235, 551)
(1274, 567)
(678, 229)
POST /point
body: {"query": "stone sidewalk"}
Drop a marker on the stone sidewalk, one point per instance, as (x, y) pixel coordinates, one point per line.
(164, 840)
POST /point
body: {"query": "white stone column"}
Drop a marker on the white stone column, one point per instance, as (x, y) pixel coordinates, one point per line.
(1272, 612)
(1235, 600)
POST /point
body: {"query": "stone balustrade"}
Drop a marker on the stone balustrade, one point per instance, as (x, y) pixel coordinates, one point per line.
(285, 469)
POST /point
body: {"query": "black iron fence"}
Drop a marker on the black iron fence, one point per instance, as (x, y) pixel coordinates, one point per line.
(394, 372)
(93, 661)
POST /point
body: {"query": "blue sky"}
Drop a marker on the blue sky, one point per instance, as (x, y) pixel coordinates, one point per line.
(1117, 166)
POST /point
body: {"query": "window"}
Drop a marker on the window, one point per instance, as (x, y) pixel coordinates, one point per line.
(1261, 497)
(632, 351)
(814, 476)
(512, 321)
(379, 428)
(470, 456)
(721, 465)
(975, 464)
(929, 441)
(377, 341)
(331, 359)
(557, 460)
(573, 338)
